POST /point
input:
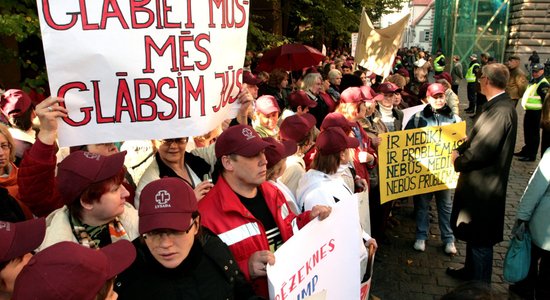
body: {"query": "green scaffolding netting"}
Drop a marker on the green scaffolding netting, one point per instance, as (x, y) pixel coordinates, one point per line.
(463, 27)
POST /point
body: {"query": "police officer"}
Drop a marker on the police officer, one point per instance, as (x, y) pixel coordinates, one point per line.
(471, 79)
(532, 101)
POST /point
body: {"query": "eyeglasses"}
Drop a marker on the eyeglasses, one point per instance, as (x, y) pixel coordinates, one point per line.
(155, 236)
(178, 141)
(5, 146)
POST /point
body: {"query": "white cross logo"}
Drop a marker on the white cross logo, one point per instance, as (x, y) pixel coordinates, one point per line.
(162, 197)
(92, 155)
(248, 133)
(5, 225)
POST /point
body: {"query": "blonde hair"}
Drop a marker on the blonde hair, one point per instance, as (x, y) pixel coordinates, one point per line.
(6, 133)
(398, 80)
(348, 109)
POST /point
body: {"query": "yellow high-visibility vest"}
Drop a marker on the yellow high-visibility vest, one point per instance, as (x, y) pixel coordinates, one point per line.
(437, 67)
(531, 99)
(470, 76)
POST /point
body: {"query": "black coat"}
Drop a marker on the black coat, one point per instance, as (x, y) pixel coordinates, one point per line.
(484, 164)
(208, 272)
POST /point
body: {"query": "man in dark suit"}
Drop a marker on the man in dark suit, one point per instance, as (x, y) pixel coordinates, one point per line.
(483, 161)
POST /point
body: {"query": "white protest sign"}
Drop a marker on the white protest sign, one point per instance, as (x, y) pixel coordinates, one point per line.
(323, 257)
(143, 69)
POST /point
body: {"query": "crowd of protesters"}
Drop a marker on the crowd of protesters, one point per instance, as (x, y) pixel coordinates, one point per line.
(200, 217)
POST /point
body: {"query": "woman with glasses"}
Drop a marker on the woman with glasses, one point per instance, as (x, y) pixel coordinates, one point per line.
(176, 257)
(9, 189)
(171, 160)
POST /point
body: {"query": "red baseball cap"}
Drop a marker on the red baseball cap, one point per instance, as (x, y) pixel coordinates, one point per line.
(241, 140)
(250, 79)
(403, 72)
(80, 169)
(20, 238)
(68, 270)
(15, 102)
(351, 95)
(359, 94)
(300, 98)
(334, 140)
(388, 88)
(279, 150)
(336, 119)
(444, 75)
(166, 203)
(434, 89)
(267, 104)
(370, 94)
(296, 127)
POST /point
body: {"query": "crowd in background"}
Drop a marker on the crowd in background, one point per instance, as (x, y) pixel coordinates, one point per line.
(200, 217)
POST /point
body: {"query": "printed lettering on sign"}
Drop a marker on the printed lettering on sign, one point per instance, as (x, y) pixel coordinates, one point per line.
(145, 69)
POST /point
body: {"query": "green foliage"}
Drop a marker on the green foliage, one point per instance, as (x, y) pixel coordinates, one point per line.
(19, 22)
(259, 40)
(317, 22)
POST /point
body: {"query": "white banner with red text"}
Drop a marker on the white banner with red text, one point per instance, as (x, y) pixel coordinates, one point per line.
(320, 260)
(143, 69)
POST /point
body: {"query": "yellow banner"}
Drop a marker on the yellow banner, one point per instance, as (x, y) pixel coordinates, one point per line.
(418, 161)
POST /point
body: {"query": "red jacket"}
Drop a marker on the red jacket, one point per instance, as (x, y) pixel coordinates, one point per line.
(365, 145)
(224, 214)
(36, 179)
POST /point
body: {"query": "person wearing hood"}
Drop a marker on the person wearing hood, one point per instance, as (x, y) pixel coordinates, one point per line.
(323, 184)
(436, 113)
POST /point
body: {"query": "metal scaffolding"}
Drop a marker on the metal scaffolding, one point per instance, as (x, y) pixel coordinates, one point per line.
(464, 27)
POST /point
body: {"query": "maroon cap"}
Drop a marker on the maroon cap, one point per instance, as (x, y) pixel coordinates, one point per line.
(388, 88)
(15, 102)
(80, 169)
(300, 98)
(369, 94)
(296, 127)
(68, 270)
(17, 239)
(444, 75)
(279, 150)
(166, 203)
(335, 119)
(267, 104)
(250, 79)
(352, 95)
(241, 140)
(334, 140)
(403, 72)
(434, 89)
(347, 64)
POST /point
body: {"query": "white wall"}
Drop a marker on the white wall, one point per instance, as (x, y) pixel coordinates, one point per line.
(414, 36)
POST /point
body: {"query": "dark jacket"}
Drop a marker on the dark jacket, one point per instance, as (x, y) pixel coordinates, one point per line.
(429, 117)
(208, 272)
(484, 165)
(195, 163)
(320, 111)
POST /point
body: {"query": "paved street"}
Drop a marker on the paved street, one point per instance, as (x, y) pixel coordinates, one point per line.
(400, 272)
